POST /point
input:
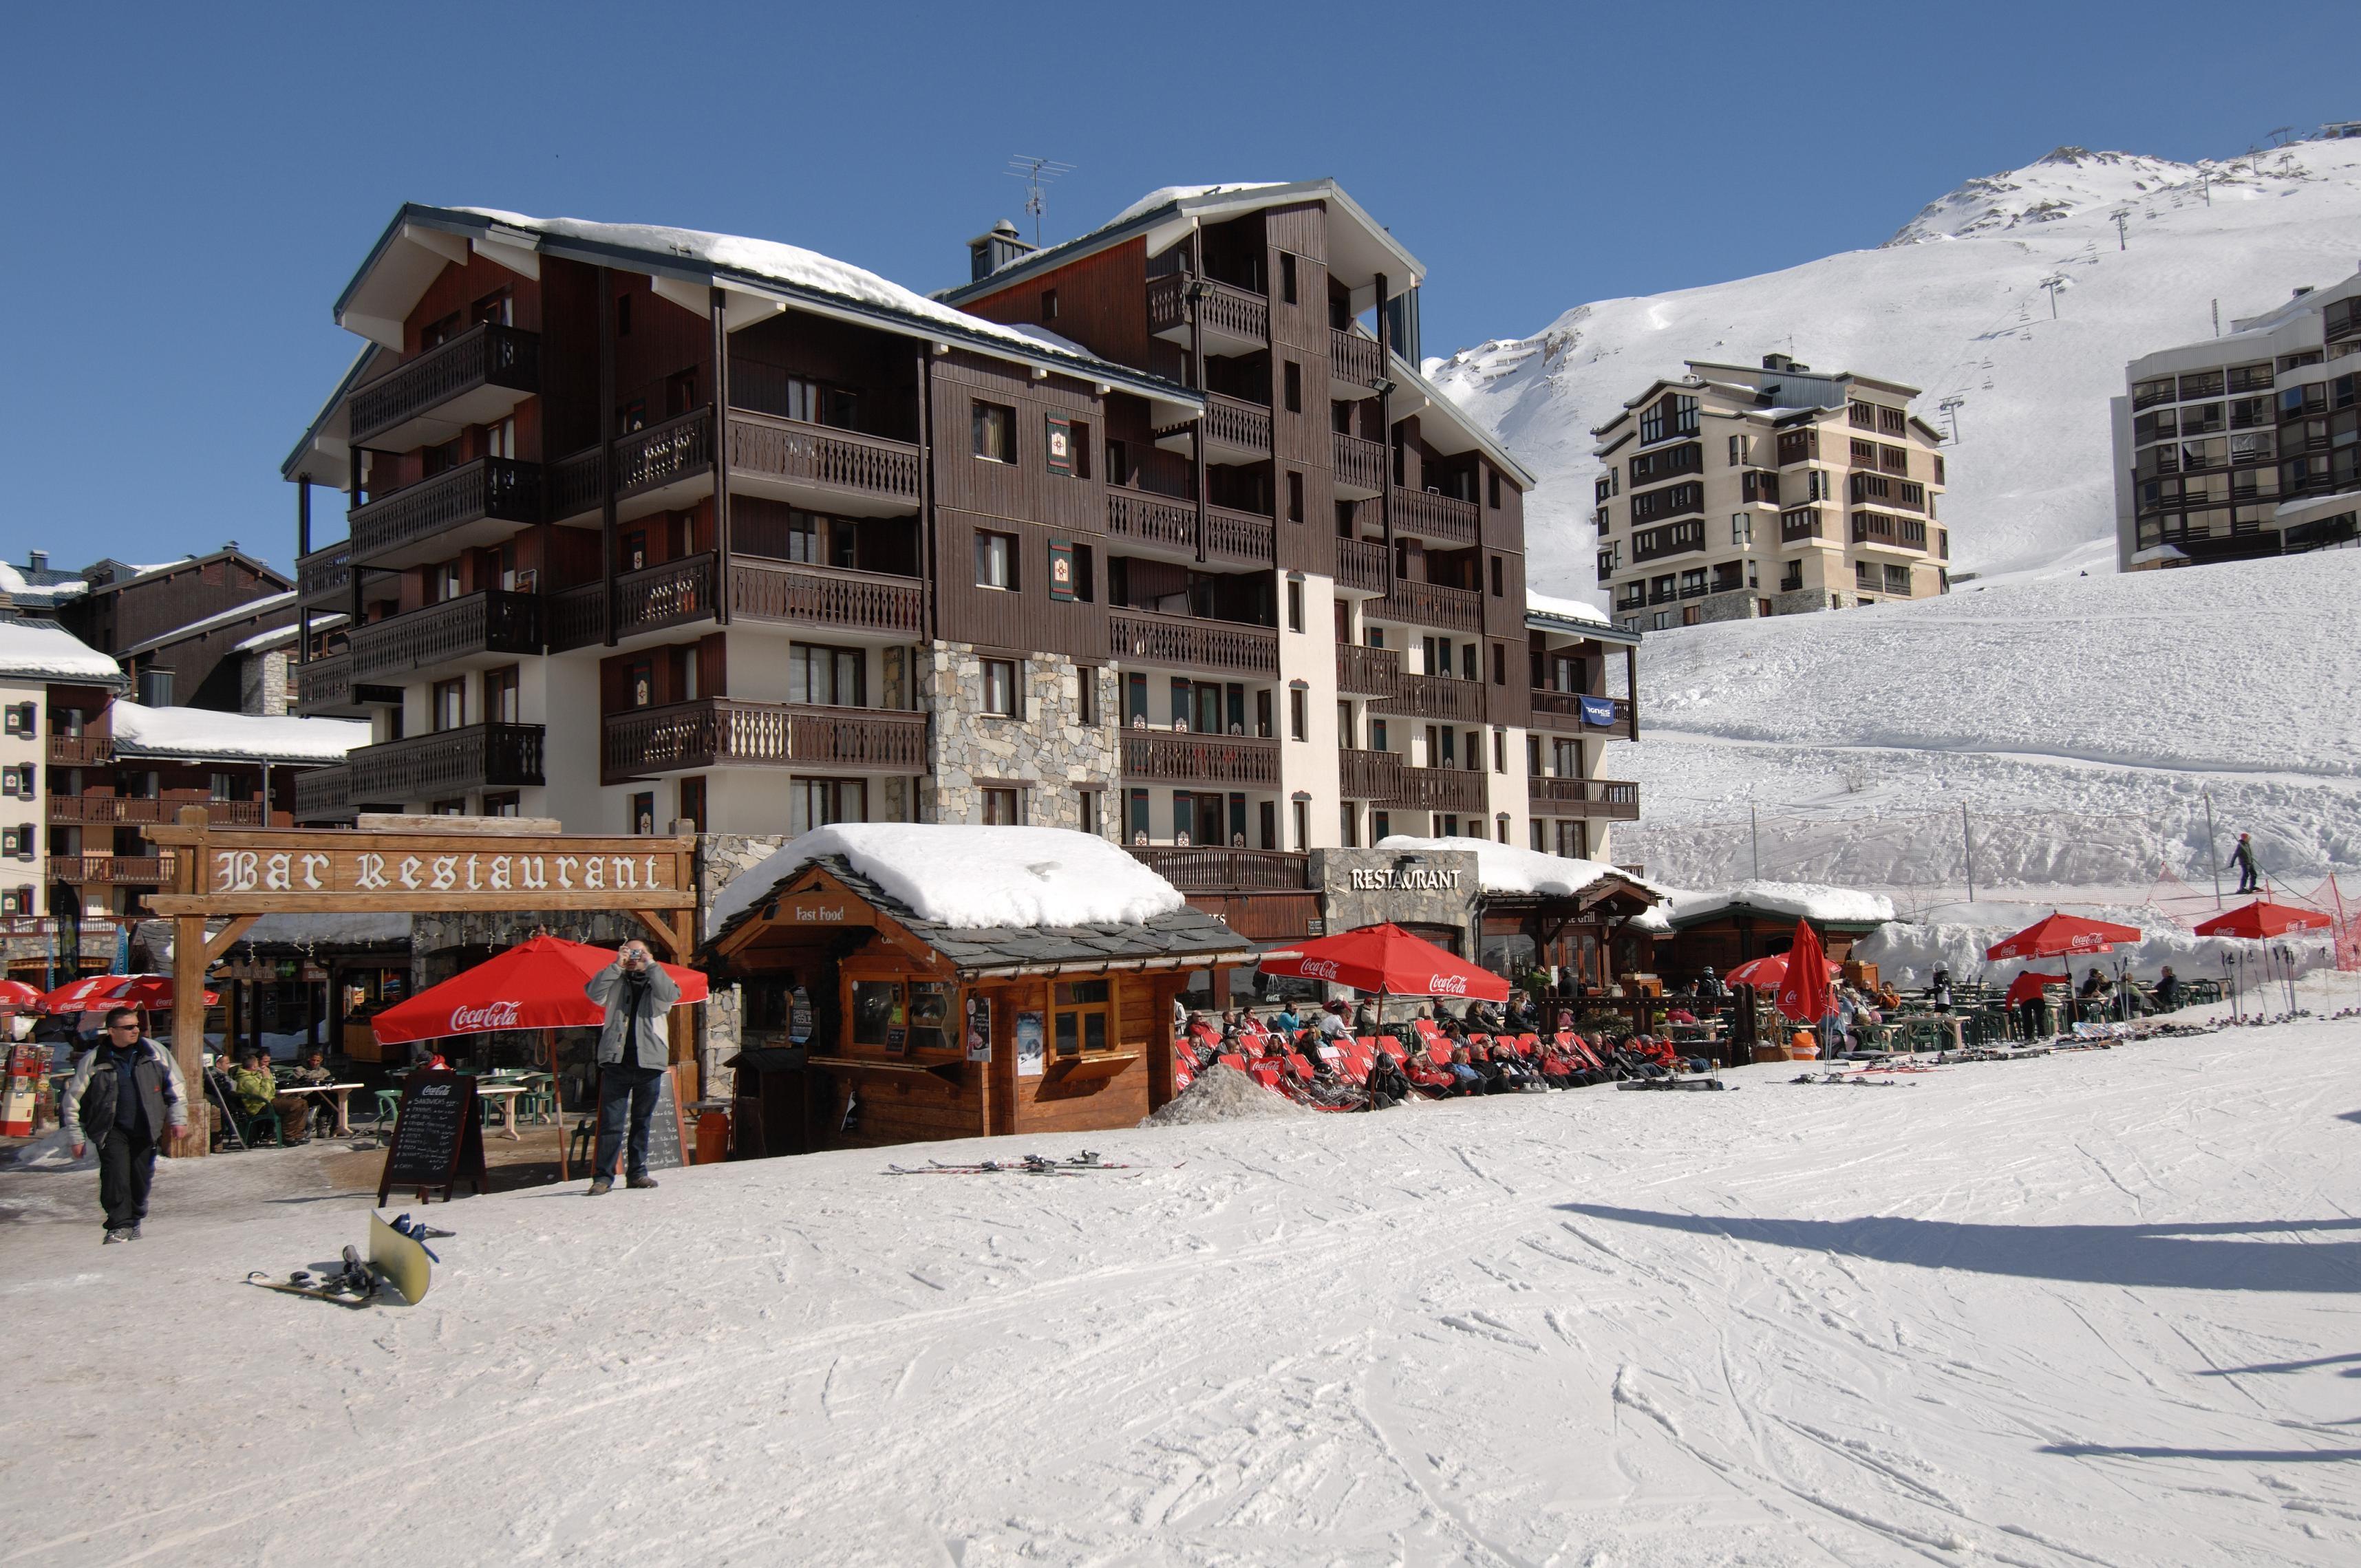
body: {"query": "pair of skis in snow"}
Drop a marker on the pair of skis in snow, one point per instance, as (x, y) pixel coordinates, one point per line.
(1029, 1165)
(399, 1262)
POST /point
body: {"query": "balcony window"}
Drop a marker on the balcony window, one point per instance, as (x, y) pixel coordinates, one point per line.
(500, 696)
(816, 802)
(450, 704)
(1000, 696)
(996, 433)
(995, 560)
(832, 677)
(1003, 807)
(1897, 579)
(1741, 529)
(1298, 710)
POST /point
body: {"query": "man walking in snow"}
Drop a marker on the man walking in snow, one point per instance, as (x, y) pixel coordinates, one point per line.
(126, 1097)
(633, 1056)
(2249, 881)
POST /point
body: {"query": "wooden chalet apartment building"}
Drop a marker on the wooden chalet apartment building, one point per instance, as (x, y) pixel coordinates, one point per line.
(1158, 534)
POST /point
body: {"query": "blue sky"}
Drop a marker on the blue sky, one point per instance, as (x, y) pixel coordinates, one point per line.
(188, 188)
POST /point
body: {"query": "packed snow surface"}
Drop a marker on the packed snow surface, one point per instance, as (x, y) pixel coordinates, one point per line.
(2088, 1309)
(1504, 868)
(203, 732)
(1953, 305)
(1223, 1094)
(39, 651)
(1805, 900)
(974, 877)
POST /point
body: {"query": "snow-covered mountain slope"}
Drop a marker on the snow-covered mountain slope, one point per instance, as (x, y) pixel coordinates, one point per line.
(1954, 304)
(2080, 720)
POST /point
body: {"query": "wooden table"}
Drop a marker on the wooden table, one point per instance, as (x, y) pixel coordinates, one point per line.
(342, 1092)
(506, 1093)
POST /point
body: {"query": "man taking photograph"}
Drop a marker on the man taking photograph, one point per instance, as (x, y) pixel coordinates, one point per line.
(634, 1052)
(127, 1094)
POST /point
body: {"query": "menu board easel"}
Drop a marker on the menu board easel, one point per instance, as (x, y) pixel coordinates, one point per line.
(437, 1138)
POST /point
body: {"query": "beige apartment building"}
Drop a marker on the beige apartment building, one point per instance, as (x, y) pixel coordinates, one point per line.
(1737, 491)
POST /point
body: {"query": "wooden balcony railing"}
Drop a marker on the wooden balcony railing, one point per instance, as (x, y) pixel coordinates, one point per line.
(823, 595)
(114, 871)
(1878, 528)
(1238, 536)
(1367, 672)
(1361, 566)
(1233, 421)
(1353, 357)
(1434, 696)
(1360, 465)
(132, 811)
(325, 683)
(1188, 643)
(1670, 538)
(1215, 868)
(671, 594)
(1432, 604)
(1368, 775)
(81, 750)
(450, 762)
(792, 452)
(1179, 758)
(1562, 711)
(1433, 515)
(1800, 522)
(488, 488)
(1223, 307)
(724, 732)
(324, 577)
(571, 486)
(486, 355)
(652, 458)
(1611, 799)
(1438, 789)
(490, 621)
(322, 794)
(1146, 518)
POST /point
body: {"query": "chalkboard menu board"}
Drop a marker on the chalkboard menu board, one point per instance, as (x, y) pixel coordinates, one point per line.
(665, 1136)
(437, 1138)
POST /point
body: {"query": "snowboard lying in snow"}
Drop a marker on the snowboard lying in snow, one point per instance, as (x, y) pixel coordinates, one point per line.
(1029, 1165)
(397, 1261)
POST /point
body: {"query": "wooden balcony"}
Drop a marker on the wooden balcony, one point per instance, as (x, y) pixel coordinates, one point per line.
(875, 603)
(465, 632)
(572, 487)
(724, 732)
(1896, 533)
(1561, 712)
(1354, 365)
(662, 466)
(1153, 521)
(323, 795)
(1610, 800)
(1432, 604)
(325, 683)
(475, 504)
(817, 466)
(1803, 522)
(1236, 320)
(1238, 538)
(1179, 641)
(477, 377)
(111, 870)
(81, 750)
(323, 579)
(1368, 775)
(448, 763)
(1367, 672)
(1361, 566)
(1360, 467)
(138, 811)
(1235, 430)
(1435, 517)
(1175, 757)
(1214, 869)
(1438, 789)
(1440, 697)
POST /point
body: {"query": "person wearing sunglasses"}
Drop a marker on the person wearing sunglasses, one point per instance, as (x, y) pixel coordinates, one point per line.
(127, 1098)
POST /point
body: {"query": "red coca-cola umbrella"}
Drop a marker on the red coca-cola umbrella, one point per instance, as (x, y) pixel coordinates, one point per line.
(2056, 933)
(1389, 961)
(1766, 973)
(149, 993)
(1804, 994)
(16, 993)
(2263, 918)
(537, 984)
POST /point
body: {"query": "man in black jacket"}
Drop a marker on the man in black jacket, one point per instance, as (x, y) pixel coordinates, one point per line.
(125, 1098)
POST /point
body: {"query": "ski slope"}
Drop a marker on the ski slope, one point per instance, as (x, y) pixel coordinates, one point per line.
(2047, 1314)
(1953, 305)
(2082, 722)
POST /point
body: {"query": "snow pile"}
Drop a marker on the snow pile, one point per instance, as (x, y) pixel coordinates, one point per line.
(1570, 610)
(203, 732)
(38, 650)
(1805, 900)
(974, 877)
(1223, 1094)
(1504, 868)
(1953, 306)
(1909, 953)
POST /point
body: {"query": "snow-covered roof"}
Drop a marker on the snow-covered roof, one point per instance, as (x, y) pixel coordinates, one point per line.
(1545, 613)
(1803, 900)
(1167, 195)
(278, 635)
(41, 650)
(28, 593)
(203, 732)
(973, 877)
(1504, 868)
(246, 611)
(2160, 553)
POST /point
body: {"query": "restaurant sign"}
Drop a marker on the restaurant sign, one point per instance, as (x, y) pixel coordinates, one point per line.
(1404, 879)
(326, 869)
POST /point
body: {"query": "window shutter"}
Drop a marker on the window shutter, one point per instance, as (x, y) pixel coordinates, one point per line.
(1061, 555)
(1062, 445)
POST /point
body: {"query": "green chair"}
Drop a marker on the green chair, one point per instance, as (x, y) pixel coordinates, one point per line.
(388, 1108)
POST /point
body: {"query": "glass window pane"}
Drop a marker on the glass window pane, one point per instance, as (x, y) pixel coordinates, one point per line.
(1068, 1042)
(876, 1007)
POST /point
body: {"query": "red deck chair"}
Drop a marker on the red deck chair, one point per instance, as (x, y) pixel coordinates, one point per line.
(1265, 1073)
(1353, 1060)
(1184, 1068)
(1529, 1045)
(1298, 1065)
(1387, 1044)
(1231, 1059)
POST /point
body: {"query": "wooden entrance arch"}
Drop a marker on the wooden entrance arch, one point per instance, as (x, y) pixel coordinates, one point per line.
(242, 873)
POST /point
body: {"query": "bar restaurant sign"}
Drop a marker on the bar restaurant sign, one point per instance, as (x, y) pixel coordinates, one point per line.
(315, 870)
(1405, 879)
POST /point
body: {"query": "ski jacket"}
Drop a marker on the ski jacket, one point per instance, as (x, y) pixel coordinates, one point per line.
(634, 1036)
(92, 1098)
(2243, 856)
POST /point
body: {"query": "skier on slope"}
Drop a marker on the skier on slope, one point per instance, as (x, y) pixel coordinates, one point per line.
(2243, 857)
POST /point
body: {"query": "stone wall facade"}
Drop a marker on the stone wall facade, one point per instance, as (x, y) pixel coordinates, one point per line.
(1049, 752)
(1363, 887)
(262, 681)
(722, 858)
(1804, 601)
(1738, 605)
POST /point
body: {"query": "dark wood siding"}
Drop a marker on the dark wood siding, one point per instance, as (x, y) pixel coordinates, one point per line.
(1302, 441)
(1102, 302)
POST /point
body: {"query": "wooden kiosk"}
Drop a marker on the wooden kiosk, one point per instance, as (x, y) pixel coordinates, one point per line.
(864, 1024)
(406, 865)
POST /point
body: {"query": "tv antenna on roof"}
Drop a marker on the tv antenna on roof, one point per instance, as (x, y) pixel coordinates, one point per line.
(1035, 172)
